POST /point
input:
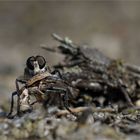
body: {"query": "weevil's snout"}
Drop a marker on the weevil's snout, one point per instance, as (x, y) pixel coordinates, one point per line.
(25, 101)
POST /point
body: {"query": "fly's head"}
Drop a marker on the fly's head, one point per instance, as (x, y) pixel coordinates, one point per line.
(35, 65)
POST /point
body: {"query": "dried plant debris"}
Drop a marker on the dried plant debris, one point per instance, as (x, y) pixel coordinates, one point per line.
(87, 96)
(98, 76)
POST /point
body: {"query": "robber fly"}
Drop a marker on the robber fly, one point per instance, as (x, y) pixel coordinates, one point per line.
(38, 81)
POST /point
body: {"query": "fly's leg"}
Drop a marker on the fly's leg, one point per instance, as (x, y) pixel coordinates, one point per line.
(12, 98)
(63, 95)
(49, 99)
(58, 73)
(18, 97)
(39, 95)
(18, 94)
(12, 104)
(65, 101)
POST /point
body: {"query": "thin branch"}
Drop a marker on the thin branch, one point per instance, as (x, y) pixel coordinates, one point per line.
(132, 68)
(82, 109)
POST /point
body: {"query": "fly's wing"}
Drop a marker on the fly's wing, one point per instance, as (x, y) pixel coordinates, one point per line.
(37, 78)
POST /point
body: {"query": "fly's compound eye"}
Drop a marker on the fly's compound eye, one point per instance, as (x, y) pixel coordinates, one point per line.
(30, 62)
(41, 61)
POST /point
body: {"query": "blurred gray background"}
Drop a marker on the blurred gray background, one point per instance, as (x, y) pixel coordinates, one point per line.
(113, 27)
